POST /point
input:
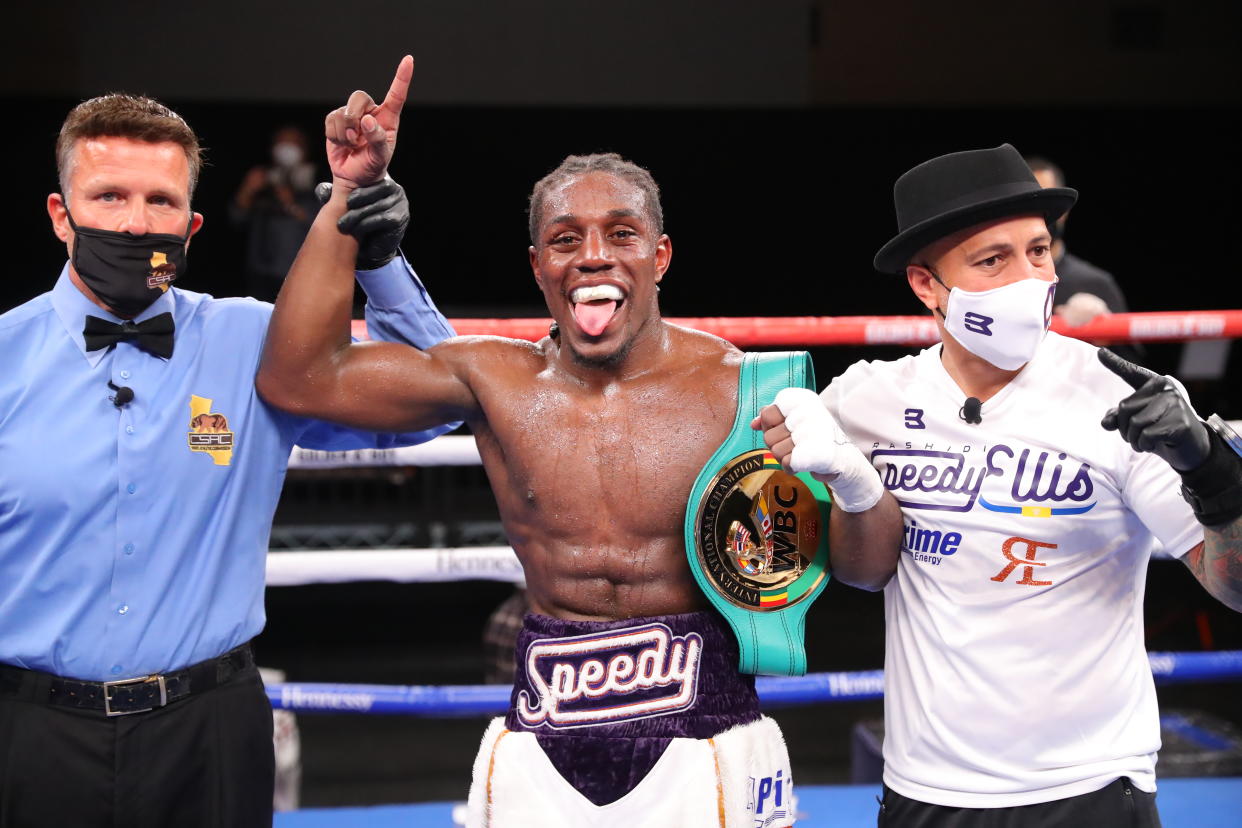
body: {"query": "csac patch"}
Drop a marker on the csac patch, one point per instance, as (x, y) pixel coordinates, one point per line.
(163, 272)
(209, 431)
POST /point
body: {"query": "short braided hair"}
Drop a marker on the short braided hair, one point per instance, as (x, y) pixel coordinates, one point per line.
(609, 162)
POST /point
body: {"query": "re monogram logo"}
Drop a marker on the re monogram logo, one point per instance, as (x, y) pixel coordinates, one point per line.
(1028, 563)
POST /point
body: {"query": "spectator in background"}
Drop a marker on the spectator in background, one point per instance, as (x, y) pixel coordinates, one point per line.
(274, 206)
(1084, 290)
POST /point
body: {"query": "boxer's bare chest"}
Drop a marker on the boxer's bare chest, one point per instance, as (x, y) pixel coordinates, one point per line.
(610, 464)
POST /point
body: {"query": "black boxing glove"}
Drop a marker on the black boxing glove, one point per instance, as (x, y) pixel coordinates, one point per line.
(377, 216)
(1159, 419)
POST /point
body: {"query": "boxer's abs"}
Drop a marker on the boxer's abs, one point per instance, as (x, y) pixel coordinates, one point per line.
(600, 528)
(583, 581)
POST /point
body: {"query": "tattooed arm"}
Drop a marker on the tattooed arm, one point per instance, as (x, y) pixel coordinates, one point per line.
(1217, 563)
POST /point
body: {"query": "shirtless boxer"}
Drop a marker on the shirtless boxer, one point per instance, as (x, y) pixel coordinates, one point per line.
(591, 439)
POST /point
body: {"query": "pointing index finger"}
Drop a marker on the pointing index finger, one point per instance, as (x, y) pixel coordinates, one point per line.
(395, 99)
(1136, 376)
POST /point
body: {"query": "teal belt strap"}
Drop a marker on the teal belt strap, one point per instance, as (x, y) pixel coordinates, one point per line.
(742, 504)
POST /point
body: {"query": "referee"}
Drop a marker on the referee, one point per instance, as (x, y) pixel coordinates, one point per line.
(139, 472)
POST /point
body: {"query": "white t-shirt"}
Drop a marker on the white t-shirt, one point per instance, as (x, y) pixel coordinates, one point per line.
(1015, 668)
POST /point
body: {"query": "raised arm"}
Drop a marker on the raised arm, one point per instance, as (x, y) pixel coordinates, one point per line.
(398, 309)
(310, 367)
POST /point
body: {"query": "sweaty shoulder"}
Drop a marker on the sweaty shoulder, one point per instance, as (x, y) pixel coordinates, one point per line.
(701, 363)
(485, 356)
(698, 347)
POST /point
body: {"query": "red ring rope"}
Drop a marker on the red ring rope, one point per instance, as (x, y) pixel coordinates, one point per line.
(750, 331)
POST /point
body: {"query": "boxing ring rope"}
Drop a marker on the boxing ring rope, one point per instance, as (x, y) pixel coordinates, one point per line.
(774, 692)
(483, 563)
(498, 563)
(449, 450)
(751, 331)
(743, 331)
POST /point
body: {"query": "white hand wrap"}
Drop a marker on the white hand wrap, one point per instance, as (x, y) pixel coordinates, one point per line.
(821, 448)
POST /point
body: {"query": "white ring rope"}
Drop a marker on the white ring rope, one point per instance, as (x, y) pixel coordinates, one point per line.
(487, 563)
(466, 563)
(449, 450)
(298, 567)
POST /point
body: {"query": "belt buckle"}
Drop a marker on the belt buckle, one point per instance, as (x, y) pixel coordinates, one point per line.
(107, 685)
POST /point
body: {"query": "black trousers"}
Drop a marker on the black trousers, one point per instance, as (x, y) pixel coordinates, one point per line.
(205, 761)
(1118, 805)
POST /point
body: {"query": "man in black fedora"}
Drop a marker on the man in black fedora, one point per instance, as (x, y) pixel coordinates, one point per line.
(1017, 687)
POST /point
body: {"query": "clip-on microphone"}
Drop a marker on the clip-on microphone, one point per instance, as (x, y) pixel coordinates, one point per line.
(124, 395)
(972, 410)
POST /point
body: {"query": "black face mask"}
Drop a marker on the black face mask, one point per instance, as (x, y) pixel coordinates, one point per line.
(125, 271)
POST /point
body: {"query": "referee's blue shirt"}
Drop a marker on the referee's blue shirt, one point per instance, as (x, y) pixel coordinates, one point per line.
(131, 542)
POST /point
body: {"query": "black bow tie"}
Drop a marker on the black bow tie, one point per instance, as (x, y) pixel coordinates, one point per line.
(154, 335)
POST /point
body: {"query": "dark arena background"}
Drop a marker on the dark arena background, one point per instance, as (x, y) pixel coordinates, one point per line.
(775, 130)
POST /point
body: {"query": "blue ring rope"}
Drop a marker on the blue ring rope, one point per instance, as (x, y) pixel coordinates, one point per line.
(493, 699)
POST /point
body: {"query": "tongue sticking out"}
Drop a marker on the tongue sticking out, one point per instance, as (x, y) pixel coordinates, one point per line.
(593, 317)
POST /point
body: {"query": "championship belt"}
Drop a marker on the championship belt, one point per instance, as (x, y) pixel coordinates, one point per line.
(757, 536)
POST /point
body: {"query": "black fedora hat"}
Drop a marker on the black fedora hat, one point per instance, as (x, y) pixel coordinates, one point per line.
(961, 189)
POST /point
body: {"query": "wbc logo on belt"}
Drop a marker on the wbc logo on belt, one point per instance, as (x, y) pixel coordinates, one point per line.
(758, 534)
(614, 676)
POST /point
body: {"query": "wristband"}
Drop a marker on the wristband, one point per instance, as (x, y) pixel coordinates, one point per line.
(1214, 489)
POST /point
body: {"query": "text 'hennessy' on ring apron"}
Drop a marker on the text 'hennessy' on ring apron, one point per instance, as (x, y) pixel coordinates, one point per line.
(757, 536)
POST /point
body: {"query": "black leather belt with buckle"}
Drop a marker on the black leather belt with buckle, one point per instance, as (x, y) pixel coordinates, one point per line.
(126, 696)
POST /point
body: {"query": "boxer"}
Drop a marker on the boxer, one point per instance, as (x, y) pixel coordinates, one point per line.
(628, 708)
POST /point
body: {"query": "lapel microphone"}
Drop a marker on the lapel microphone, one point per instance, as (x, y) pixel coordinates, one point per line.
(124, 395)
(971, 410)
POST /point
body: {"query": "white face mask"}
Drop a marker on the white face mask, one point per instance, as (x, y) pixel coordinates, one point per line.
(286, 154)
(1004, 325)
